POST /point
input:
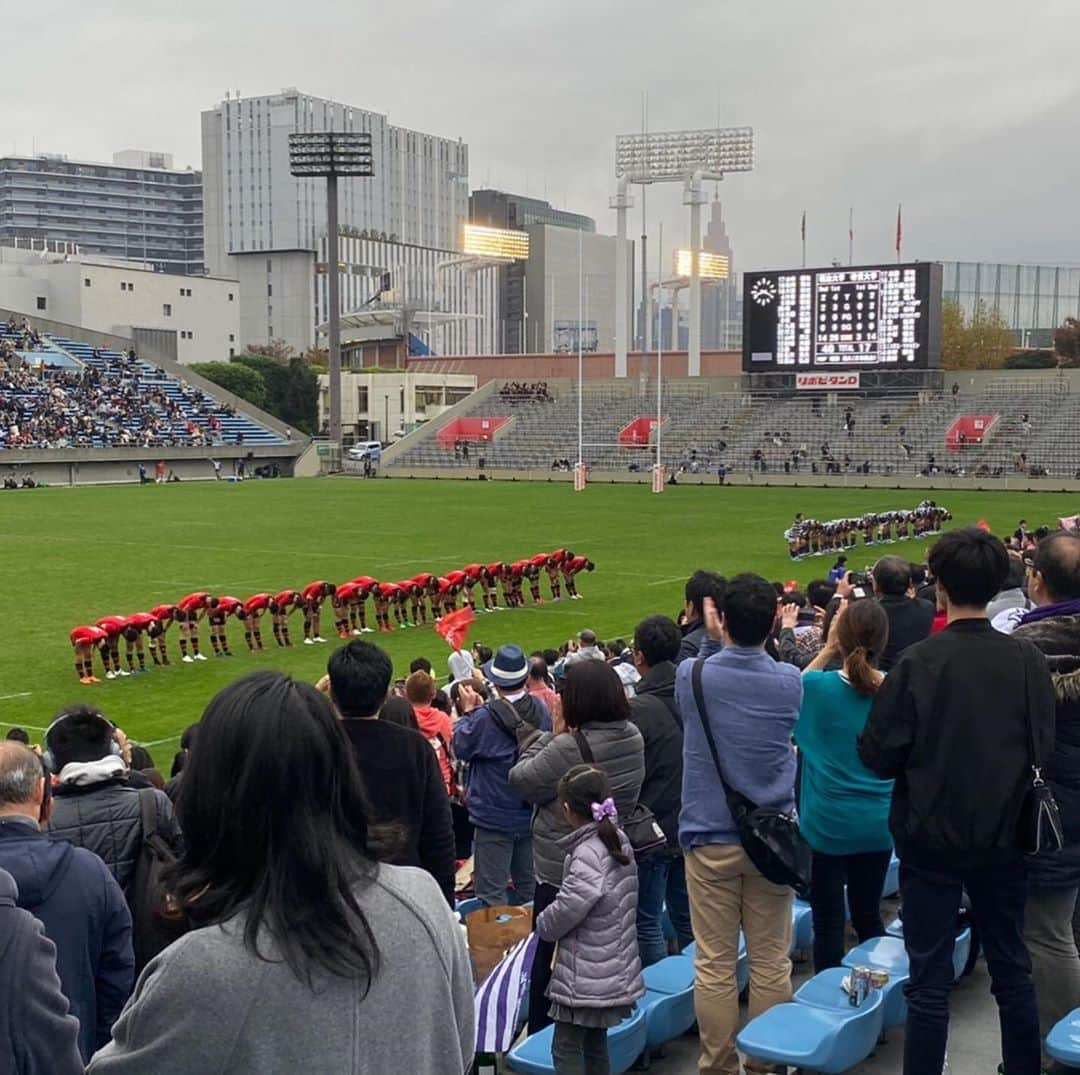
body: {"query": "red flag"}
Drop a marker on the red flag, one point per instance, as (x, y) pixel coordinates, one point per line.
(851, 225)
(454, 626)
(899, 230)
(804, 225)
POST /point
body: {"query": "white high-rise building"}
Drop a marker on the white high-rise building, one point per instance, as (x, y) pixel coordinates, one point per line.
(255, 209)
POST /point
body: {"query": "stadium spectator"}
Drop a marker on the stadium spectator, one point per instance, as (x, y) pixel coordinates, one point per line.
(751, 704)
(1054, 880)
(486, 737)
(399, 711)
(539, 682)
(15, 734)
(1012, 598)
(433, 723)
(187, 739)
(843, 807)
(594, 720)
(71, 892)
(94, 806)
(400, 771)
(661, 875)
(310, 945)
(699, 585)
(38, 1036)
(585, 648)
(951, 725)
(909, 617)
(461, 665)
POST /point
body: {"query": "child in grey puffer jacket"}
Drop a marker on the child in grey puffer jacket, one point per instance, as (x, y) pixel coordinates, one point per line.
(597, 976)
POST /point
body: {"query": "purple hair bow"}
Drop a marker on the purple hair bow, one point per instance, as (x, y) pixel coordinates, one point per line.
(603, 810)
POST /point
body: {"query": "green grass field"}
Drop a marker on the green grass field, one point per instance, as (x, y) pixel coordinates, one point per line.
(73, 555)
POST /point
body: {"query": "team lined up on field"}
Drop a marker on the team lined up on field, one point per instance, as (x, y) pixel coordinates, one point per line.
(407, 603)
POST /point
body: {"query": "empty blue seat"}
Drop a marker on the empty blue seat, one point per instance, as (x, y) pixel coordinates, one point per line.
(961, 950)
(669, 999)
(465, 907)
(802, 926)
(1063, 1041)
(819, 1031)
(887, 954)
(626, 1042)
(672, 975)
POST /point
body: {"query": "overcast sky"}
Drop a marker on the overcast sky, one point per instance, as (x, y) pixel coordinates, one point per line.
(964, 110)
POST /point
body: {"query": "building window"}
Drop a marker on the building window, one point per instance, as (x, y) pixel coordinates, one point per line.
(86, 281)
(123, 285)
(269, 290)
(41, 302)
(269, 264)
(232, 338)
(230, 296)
(166, 309)
(232, 351)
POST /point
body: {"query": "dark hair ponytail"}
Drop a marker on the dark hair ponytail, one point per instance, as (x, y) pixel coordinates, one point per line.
(582, 788)
(862, 633)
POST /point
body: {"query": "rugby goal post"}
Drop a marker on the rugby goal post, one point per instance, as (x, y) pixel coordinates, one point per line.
(658, 477)
(580, 477)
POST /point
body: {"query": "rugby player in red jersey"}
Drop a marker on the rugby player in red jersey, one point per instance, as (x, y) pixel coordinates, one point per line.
(424, 582)
(365, 586)
(280, 606)
(216, 617)
(164, 615)
(536, 564)
(457, 580)
(491, 577)
(138, 625)
(341, 601)
(252, 614)
(573, 567)
(472, 577)
(314, 593)
(447, 599)
(385, 595)
(517, 581)
(113, 626)
(189, 610)
(554, 572)
(407, 593)
(85, 640)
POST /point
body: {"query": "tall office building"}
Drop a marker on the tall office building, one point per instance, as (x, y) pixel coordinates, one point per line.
(721, 313)
(517, 212)
(256, 211)
(139, 208)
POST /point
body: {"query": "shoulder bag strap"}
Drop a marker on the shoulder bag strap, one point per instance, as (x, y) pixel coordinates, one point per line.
(1033, 750)
(737, 803)
(147, 812)
(583, 746)
(498, 714)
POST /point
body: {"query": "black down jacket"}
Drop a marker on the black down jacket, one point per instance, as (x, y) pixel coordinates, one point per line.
(1059, 639)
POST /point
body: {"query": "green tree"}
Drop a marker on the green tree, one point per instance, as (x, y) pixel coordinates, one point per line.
(276, 349)
(241, 380)
(300, 400)
(954, 341)
(1031, 360)
(1067, 342)
(981, 342)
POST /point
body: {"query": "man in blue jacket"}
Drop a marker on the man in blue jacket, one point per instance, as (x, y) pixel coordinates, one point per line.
(487, 738)
(73, 894)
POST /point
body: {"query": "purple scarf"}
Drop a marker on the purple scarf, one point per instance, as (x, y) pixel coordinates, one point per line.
(1044, 612)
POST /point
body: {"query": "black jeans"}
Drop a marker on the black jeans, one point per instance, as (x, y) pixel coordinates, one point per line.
(931, 901)
(579, 1050)
(865, 876)
(543, 898)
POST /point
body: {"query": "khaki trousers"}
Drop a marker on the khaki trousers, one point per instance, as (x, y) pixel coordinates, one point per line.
(727, 892)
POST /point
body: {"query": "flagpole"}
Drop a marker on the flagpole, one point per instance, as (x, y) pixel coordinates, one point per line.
(659, 338)
(851, 236)
(804, 238)
(899, 232)
(580, 365)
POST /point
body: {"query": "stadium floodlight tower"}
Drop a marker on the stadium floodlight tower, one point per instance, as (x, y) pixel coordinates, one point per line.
(690, 158)
(330, 154)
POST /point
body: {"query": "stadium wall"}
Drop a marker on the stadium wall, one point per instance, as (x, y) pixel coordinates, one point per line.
(597, 366)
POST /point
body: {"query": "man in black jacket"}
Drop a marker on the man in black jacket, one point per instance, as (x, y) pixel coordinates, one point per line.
(1054, 880)
(950, 725)
(400, 770)
(910, 618)
(661, 875)
(71, 892)
(699, 585)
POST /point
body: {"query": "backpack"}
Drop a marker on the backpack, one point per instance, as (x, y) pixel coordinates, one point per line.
(155, 920)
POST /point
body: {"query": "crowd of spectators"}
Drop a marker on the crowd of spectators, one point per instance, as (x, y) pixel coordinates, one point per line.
(890, 712)
(112, 403)
(522, 392)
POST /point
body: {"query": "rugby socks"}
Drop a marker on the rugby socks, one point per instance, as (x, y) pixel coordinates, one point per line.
(250, 644)
(277, 633)
(285, 634)
(258, 639)
(183, 646)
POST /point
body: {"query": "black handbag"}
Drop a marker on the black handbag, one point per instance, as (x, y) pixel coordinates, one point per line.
(641, 827)
(1040, 828)
(770, 838)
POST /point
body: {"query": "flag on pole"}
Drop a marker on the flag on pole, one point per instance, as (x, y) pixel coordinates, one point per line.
(804, 225)
(851, 225)
(454, 626)
(899, 231)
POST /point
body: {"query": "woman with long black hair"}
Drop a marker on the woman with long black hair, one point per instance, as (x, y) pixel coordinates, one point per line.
(304, 945)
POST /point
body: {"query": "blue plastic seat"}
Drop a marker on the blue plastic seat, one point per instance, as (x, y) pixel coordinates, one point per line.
(667, 1015)
(887, 954)
(1063, 1042)
(466, 907)
(802, 926)
(675, 974)
(892, 878)
(961, 950)
(819, 1031)
(626, 1042)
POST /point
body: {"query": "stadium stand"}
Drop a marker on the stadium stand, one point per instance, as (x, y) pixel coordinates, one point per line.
(705, 424)
(65, 393)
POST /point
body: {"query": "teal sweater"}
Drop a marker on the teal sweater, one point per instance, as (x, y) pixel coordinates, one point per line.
(843, 807)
